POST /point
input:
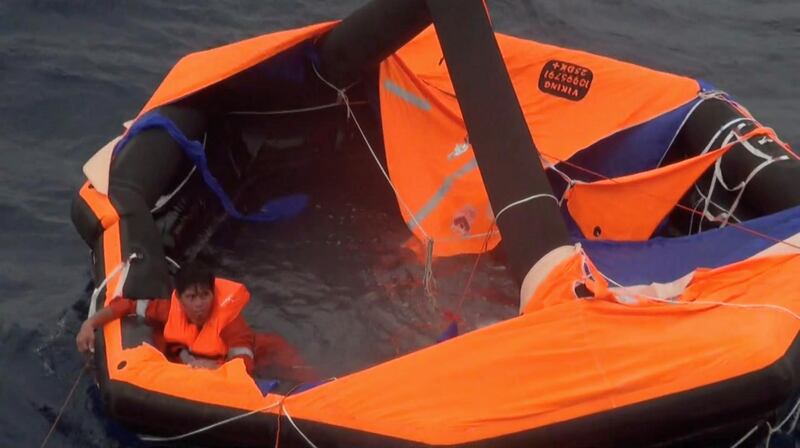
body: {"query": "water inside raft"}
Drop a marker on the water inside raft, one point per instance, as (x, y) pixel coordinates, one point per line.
(338, 281)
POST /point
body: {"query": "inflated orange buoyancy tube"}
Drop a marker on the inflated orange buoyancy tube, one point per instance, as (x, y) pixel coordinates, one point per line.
(144, 366)
(565, 361)
(230, 299)
(569, 356)
(428, 151)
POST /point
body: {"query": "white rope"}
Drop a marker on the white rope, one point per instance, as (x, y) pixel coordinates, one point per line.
(570, 183)
(429, 280)
(173, 262)
(796, 417)
(694, 212)
(745, 437)
(769, 306)
(794, 414)
(123, 276)
(345, 100)
(566, 178)
(717, 177)
(123, 267)
(705, 302)
(755, 151)
(64, 405)
(278, 403)
(700, 202)
(295, 111)
(743, 185)
(713, 94)
(720, 130)
(212, 426)
(524, 200)
(734, 137)
(768, 439)
(294, 425)
(163, 200)
(343, 96)
(680, 128)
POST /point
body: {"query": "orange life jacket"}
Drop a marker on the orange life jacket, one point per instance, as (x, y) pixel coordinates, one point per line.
(229, 299)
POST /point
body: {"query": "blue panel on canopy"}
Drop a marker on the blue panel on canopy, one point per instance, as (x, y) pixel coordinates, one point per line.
(666, 259)
(633, 150)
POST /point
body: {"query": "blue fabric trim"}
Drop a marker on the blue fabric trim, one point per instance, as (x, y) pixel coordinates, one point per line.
(308, 386)
(666, 259)
(274, 210)
(449, 333)
(266, 385)
(705, 86)
(288, 66)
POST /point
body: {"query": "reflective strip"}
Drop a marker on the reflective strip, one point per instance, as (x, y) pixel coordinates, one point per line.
(185, 356)
(240, 351)
(437, 198)
(141, 307)
(407, 96)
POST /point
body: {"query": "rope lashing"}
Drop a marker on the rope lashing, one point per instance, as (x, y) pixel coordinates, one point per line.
(429, 281)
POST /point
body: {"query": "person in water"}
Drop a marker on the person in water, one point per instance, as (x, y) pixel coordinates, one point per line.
(202, 326)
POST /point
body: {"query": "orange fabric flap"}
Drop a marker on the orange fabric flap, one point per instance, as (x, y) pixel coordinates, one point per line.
(199, 70)
(428, 152)
(228, 385)
(439, 187)
(569, 358)
(631, 207)
(571, 99)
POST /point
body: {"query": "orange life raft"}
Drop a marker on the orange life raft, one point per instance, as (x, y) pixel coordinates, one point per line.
(630, 337)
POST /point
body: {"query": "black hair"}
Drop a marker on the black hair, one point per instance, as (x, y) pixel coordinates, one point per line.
(191, 275)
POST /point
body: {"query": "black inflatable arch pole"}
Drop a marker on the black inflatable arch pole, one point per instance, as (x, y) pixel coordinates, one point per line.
(507, 157)
(369, 35)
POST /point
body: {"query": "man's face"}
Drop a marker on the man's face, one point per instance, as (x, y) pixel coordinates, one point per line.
(197, 301)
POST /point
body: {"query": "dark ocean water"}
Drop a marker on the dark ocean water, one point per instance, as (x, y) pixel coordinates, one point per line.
(72, 70)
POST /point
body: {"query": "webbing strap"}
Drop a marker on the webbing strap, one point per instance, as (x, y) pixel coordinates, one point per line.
(272, 211)
(240, 351)
(141, 307)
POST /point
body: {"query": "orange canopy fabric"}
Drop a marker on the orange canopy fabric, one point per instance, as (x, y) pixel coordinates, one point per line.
(619, 95)
(631, 207)
(565, 357)
(570, 357)
(440, 189)
(199, 70)
(570, 99)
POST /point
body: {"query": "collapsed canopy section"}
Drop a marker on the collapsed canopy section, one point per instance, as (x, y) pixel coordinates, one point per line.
(199, 70)
(570, 99)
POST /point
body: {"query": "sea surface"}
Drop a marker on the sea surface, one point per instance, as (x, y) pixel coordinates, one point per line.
(71, 71)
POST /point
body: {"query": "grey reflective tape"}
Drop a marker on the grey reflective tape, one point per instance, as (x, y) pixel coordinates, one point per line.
(407, 96)
(437, 197)
(141, 307)
(240, 351)
(185, 356)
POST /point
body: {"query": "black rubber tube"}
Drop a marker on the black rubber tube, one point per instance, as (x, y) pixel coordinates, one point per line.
(769, 191)
(368, 36)
(140, 173)
(507, 157)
